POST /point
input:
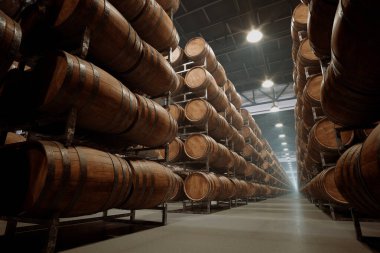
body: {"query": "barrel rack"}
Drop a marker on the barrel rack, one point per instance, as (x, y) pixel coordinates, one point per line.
(201, 207)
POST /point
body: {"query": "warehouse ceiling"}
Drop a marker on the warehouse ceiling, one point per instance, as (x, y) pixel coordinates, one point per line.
(225, 24)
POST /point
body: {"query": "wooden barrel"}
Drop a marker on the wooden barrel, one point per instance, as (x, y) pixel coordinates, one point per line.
(345, 106)
(153, 75)
(323, 187)
(237, 139)
(220, 75)
(151, 22)
(169, 5)
(12, 8)
(10, 40)
(312, 98)
(199, 51)
(14, 138)
(154, 126)
(319, 26)
(114, 43)
(177, 112)
(64, 81)
(240, 164)
(236, 99)
(359, 69)
(322, 138)
(178, 57)
(131, 10)
(180, 88)
(362, 134)
(176, 151)
(298, 23)
(306, 58)
(178, 192)
(198, 80)
(245, 114)
(199, 147)
(152, 185)
(199, 112)
(229, 190)
(228, 87)
(234, 116)
(199, 186)
(249, 152)
(51, 180)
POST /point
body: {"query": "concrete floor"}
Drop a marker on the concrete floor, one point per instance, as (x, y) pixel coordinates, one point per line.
(286, 224)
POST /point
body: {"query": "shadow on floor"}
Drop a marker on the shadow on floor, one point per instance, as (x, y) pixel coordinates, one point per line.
(71, 236)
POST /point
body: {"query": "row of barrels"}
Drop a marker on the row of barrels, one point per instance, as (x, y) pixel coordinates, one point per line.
(105, 106)
(46, 179)
(124, 40)
(353, 181)
(200, 186)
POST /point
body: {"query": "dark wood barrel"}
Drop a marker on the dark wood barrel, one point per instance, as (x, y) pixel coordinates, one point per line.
(359, 69)
(240, 164)
(198, 80)
(10, 40)
(245, 114)
(319, 26)
(14, 138)
(200, 186)
(152, 185)
(199, 51)
(323, 187)
(349, 184)
(12, 8)
(177, 112)
(350, 94)
(154, 126)
(322, 138)
(220, 75)
(199, 113)
(151, 23)
(312, 98)
(153, 75)
(199, 147)
(131, 10)
(63, 81)
(236, 99)
(298, 23)
(169, 5)
(53, 180)
(345, 106)
(178, 191)
(176, 151)
(114, 43)
(306, 58)
(178, 57)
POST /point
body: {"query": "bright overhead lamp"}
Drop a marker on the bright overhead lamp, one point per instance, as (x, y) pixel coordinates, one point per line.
(279, 125)
(286, 149)
(274, 107)
(254, 36)
(267, 84)
(287, 154)
(281, 136)
(284, 143)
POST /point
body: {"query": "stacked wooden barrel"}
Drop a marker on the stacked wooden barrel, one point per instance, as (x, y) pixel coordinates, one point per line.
(218, 132)
(337, 108)
(93, 84)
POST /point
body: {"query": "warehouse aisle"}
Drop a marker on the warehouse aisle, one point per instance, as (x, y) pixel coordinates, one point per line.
(285, 224)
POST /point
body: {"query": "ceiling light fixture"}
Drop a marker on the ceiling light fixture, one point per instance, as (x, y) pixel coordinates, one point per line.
(267, 84)
(282, 136)
(284, 143)
(254, 36)
(279, 125)
(286, 149)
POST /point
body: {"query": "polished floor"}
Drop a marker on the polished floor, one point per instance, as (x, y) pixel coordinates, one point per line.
(285, 224)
